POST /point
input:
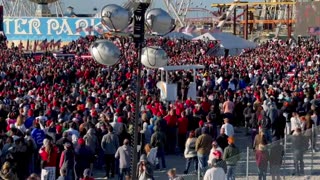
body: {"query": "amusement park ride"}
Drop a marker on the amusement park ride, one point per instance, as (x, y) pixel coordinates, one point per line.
(249, 16)
(29, 8)
(240, 16)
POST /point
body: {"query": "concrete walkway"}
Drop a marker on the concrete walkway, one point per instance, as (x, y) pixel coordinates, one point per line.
(311, 160)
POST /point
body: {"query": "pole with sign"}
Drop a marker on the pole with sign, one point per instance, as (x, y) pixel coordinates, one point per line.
(138, 38)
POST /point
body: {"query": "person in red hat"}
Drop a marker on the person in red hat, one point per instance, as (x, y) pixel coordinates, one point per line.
(84, 158)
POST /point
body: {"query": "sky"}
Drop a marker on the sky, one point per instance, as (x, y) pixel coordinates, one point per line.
(86, 6)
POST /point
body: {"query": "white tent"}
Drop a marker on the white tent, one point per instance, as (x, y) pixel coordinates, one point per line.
(227, 40)
(179, 35)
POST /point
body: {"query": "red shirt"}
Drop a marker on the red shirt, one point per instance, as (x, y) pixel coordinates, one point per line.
(205, 106)
(52, 162)
(182, 125)
(171, 120)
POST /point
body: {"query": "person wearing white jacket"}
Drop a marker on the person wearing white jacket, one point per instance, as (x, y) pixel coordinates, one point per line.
(215, 147)
(295, 122)
(214, 172)
(190, 152)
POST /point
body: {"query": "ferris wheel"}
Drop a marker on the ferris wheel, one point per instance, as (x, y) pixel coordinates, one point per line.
(178, 9)
(26, 8)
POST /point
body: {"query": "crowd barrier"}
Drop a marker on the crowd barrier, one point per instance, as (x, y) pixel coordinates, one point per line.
(247, 168)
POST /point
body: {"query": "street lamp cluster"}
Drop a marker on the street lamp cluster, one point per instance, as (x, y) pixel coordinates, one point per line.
(116, 19)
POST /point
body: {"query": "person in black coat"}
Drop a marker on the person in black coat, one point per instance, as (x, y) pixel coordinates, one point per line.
(248, 114)
(278, 126)
(84, 158)
(222, 139)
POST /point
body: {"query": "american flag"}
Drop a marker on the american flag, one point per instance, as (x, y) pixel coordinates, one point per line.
(314, 30)
(28, 44)
(57, 44)
(20, 45)
(129, 29)
(89, 29)
(35, 45)
(190, 29)
(50, 45)
(79, 29)
(181, 29)
(214, 30)
(99, 29)
(43, 44)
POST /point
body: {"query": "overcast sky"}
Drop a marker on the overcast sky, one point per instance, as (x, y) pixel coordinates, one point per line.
(86, 6)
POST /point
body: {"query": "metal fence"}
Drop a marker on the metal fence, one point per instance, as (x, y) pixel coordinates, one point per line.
(283, 165)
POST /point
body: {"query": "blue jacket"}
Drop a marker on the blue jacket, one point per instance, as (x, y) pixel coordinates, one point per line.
(38, 135)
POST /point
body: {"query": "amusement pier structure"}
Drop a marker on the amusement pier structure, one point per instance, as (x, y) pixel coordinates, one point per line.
(247, 19)
(32, 8)
(272, 17)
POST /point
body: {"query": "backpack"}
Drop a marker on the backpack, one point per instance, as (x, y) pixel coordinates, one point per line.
(158, 140)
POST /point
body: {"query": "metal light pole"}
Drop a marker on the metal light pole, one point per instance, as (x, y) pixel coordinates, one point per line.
(138, 38)
(116, 19)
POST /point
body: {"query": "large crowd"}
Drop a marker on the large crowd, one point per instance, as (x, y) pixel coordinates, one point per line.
(62, 118)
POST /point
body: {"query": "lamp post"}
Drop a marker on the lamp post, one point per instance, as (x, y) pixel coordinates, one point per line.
(138, 38)
(116, 19)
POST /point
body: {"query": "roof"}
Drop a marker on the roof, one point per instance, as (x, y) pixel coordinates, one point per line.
(184, 67)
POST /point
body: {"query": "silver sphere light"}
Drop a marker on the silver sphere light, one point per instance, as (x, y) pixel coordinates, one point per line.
(115, 17)
(159, 21)
(105, 52)
(154, 57)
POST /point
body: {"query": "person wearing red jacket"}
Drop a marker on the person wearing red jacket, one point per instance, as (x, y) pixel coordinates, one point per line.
(262, 158)
(182, 131)
(48, 154)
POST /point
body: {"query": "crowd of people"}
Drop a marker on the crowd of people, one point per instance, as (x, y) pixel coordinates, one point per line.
(61, 118)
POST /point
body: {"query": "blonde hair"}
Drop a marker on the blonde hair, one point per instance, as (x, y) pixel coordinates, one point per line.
(144, 117)
(172, 171)
(147, 148)
(20, 120)
(6, 166)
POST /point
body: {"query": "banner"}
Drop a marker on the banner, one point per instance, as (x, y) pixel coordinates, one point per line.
(314, 31)
(307, 16)
(66, 29)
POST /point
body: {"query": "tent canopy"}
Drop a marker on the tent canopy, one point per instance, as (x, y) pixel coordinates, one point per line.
(227, 40)
(178, 68)
(179, 35)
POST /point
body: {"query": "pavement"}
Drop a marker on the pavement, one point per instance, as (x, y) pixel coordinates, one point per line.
(311, 160)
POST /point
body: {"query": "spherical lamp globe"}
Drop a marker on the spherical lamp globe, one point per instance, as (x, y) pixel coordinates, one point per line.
(159, 21)
(115, 17)
(154, 57)
(105, 52)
